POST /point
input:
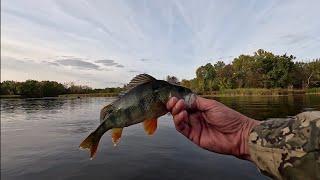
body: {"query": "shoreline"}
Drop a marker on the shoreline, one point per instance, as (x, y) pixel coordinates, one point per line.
(250, 92)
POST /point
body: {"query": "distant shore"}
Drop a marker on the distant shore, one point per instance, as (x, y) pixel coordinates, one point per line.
(260, 92)
(221, 93)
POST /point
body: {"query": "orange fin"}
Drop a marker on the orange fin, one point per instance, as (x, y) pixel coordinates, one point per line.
(91, 143)
(116, 135)
(150, 126)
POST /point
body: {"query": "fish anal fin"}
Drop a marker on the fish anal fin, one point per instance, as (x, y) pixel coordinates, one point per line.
(150, 126)
(116, 135)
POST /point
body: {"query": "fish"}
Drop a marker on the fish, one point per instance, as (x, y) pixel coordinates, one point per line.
(143, 101)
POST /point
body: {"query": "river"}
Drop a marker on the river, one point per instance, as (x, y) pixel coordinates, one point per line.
(40, 139)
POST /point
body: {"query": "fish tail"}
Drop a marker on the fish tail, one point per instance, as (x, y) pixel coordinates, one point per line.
(91, 143)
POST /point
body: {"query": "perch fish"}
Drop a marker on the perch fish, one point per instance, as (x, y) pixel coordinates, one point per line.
(144, 101)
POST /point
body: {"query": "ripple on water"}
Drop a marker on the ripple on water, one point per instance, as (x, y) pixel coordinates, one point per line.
(40, 139)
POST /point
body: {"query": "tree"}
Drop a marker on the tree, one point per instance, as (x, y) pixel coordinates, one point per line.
(10, 88)
(205, 77)
(31, 88)
(224, 78)
(245, 70)
(52, 88)
(312, 75)
(185, 83)
(298, 75)
(172, 79)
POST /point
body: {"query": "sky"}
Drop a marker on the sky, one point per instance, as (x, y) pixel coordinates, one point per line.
(104, 43)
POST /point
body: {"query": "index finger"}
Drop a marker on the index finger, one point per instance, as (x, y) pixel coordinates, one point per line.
(171, 103)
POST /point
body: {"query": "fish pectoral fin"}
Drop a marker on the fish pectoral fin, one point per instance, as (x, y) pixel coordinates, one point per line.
(150, 126)
(116, 135)
(105, 111)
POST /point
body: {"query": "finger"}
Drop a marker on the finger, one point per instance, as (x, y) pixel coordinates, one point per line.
(194, 119)
(204, 104)
(178, 107)
(185, 129)
(170, 104)
(180, 119)
(181, 123)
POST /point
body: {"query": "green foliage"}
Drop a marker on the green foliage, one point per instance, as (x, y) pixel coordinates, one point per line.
(52, 88)
(257, 92)
(31, 88)
(10, 88)
(258, 71)
(36, 89)
(172, 79)
(313, 91)
(261, 70)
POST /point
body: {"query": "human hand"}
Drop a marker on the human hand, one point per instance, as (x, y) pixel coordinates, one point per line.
(213, 126)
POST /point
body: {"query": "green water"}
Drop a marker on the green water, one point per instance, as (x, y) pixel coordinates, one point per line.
(264, 107)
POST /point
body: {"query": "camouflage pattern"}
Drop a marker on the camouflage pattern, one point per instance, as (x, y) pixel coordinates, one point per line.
(288, 148)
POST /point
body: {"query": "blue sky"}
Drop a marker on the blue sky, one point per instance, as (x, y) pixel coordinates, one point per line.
(105, 43)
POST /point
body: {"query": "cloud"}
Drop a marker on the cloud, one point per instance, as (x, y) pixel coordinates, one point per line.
(225, 57)
(298, 39)
(51, 63)
(134, 71)
(82, 63)
(294, 38)
(78, 63)
(120, 66)
(109, 62)
(21, 70)
(161, 37)
(144, 60)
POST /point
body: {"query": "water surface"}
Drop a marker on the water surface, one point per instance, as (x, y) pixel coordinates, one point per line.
(40, 138)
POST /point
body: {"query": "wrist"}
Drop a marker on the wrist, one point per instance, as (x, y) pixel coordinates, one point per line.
(249, 124)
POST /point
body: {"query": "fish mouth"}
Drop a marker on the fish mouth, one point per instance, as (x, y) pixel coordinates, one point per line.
(189, 100)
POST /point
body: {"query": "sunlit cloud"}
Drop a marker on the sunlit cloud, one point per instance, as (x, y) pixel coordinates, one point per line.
(78, 63)
(109, 62)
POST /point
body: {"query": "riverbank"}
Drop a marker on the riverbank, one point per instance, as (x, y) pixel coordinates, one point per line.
(260, 92)
(65, 95)
(89, 95)
(221, 93)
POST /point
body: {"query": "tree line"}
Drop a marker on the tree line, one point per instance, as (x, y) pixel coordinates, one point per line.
(261, 70)
(35, 89)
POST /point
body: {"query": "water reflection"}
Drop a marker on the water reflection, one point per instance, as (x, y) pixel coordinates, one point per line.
(40, 138)
(265, 107)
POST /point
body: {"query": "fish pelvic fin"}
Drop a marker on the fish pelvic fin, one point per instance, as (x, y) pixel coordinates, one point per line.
(150, 126)
(116, 135)
(91, 143)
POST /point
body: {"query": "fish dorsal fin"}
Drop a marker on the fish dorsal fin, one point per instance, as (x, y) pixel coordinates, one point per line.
(139, 79)
(150, 126)
(105, 111)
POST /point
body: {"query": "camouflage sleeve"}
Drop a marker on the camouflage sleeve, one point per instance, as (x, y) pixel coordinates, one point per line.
(288, 148)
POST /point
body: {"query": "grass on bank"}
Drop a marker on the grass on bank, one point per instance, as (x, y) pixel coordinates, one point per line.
(221, 93)
(261, 92)
(10, 96)
(90, 95)
(313, 91)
